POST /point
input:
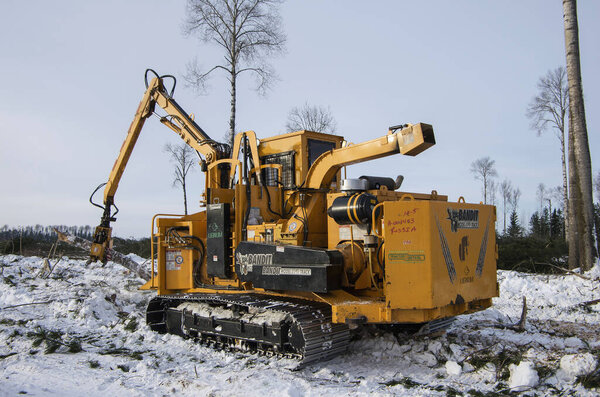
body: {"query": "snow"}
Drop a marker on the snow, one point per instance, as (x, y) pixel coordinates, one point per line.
(522, 376)
(82, 331)
(574, 365)
(453, 368)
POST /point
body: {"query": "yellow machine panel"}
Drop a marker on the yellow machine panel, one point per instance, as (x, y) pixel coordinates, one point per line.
(303, 146)
(438, 253)
(179, 266)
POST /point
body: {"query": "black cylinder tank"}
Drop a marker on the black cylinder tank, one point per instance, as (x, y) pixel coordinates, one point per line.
(353, 209)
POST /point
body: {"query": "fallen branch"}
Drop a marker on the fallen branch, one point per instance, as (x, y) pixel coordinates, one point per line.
(45, 269)
(570, 272)
(53, 267)
(48, 268)
(114, 256)
(520, 326)
(590, 303)
(517, 389)
(477, 351)
(26, 304)
(52, 255)
(519, 264)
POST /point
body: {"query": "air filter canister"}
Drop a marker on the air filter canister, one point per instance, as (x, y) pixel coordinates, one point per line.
(352, 210)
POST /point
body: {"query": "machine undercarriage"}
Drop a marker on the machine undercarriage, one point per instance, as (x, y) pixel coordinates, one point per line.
(292, 328)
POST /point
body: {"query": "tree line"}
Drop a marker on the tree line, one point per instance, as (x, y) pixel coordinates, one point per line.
(558, 105)
(530, 244)
(38, 239)
(44, 233)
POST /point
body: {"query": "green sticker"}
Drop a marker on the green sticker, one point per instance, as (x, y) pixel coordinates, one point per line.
(406, 256)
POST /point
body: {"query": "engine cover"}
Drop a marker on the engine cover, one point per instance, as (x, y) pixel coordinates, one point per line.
(288, 267)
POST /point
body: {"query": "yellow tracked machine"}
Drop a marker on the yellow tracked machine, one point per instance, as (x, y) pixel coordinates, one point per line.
(285, 256)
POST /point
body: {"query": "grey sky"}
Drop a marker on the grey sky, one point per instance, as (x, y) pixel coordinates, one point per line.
(73, 77)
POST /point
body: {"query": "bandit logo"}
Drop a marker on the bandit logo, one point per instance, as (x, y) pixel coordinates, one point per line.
(463, 219)
(247, 261)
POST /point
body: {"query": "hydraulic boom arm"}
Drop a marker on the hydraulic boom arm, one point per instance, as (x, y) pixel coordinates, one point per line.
(177, 120)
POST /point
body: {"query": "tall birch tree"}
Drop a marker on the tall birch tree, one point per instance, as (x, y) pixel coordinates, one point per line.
(484, 169)
(581, 151)
(248, 32)
(548, 109)
(506, 191)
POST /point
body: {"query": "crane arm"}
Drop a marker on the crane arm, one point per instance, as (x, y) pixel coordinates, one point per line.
(144, 110)
(177, 120)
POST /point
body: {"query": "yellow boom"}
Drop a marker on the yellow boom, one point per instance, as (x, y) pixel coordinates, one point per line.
(177, 120)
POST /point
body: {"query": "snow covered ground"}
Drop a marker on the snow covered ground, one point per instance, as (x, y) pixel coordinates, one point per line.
(81, 331)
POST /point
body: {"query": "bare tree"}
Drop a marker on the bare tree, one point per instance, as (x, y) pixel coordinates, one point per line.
(182, 156)
(492, 190)
(311, 118)
(514, 229)
(483, 169)
(541, 194)
(549, 109)
(556, 194)
(506, 191)
(249, 31)
(514, 199)
(582, 159)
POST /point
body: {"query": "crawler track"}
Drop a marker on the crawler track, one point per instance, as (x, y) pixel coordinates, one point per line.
(294, 328)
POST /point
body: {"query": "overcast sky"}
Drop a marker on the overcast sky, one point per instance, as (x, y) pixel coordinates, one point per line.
(72, 77)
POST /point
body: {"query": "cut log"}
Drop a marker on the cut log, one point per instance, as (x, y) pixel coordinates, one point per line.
(114, 256)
